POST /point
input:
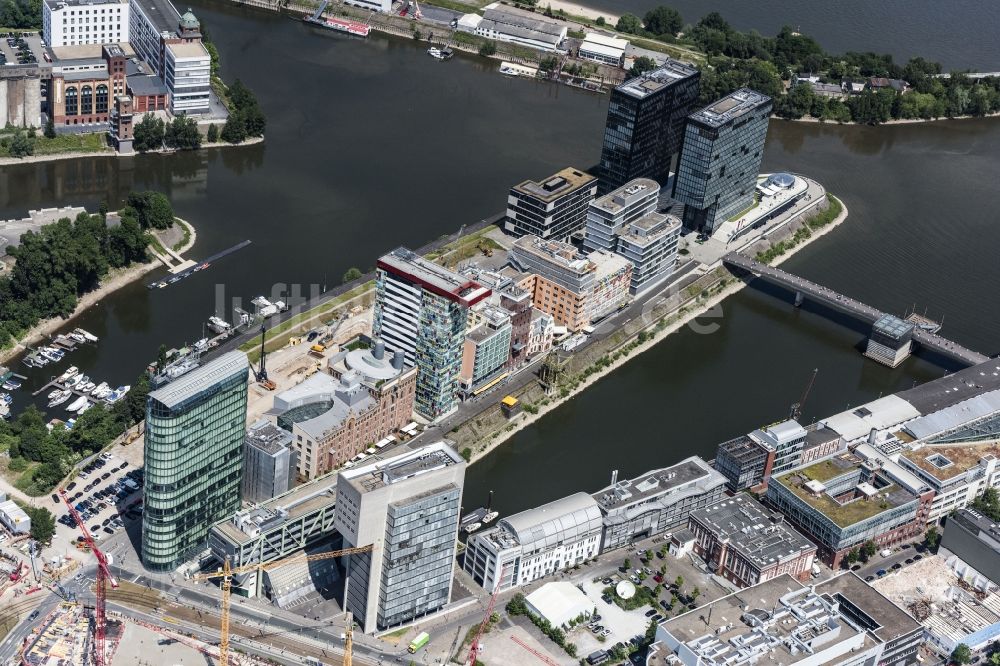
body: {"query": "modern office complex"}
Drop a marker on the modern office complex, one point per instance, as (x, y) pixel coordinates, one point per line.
(975, 539)
(839, 622)
(746, 544)
(406, 508)
(74, 22)
(645, 124)
(625, 222)
(749, 461)
(195, 427)
(486, 350)
(554, 208)
(720, 160)
(842, 502)
(575, 289)
(957, 473)
(171, 43)
(657, 501)
(422, 310)
(535, 543)
(269, 463)
(296, 521)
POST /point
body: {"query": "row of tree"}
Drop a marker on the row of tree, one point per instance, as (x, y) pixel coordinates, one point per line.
(738, 59)
(152, 133)
(61, 261)
(245, 116)
(24, 14)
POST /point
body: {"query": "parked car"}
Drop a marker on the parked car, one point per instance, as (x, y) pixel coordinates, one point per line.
(651, 612)
(55, 498)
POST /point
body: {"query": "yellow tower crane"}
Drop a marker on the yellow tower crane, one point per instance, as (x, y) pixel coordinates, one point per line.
(228, 571)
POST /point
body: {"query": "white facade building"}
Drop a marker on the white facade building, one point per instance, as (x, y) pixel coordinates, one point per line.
(603, 49)
(74, 22)
(383, 6)
(188, 75)
(535, 543)
(14, 518)
(506, 24)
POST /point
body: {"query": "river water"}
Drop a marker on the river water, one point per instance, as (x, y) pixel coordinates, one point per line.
(372, 144)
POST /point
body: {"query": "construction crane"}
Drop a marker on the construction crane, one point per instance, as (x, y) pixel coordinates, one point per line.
(261, 373)
(228, 571)
(103, 577)
(476, 648)
(796, 410)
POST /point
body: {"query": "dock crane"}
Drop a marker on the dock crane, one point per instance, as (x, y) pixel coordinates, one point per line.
(796, 410)
(103, 578)
(476, 648)
(261, 373)
(228, 571)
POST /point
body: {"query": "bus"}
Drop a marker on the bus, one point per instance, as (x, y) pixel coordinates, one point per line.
(418, 642)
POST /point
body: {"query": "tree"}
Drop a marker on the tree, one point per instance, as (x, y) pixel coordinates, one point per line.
(182, 133)
(932, 537)
(235, 129)
(627, 563)
(487, 49)
(148, 133)
(22, 145)
(351, 275)
(600, 21)
(868, 550)
(961, 655)
(853, 555)
(50, 129)
(43, 524)
(679, 582)
(663, 20)
(629, 23)
(213, 133)
(641, 65)
(151, 209)
(988, 504)
(695, 593)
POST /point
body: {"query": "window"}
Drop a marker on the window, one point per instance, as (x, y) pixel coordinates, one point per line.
(72, 107)
(102, 98)
(87, 100)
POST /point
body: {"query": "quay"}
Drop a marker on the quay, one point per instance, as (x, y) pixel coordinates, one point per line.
(802, 288)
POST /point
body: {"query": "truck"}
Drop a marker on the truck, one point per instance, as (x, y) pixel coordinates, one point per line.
(421, 640)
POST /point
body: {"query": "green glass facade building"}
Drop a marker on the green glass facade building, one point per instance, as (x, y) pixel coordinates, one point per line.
(195, 427)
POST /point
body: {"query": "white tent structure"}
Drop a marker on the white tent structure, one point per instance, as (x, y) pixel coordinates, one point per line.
(559, 603)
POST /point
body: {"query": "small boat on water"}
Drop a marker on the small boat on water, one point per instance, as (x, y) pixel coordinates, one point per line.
(76, 404)
(469, 529)
(70, 371)
(355, 28)
(100, 388)
(118, 394)
(89, 337)
(86, 405)
(53, 393)
(490, 517)
(74, 380)
(60, 398)
(86, 387)
(51, 354)
(6, 398)
(443, 53)
(4, 412)
(76, 337)
(11, 384)
(218, 325)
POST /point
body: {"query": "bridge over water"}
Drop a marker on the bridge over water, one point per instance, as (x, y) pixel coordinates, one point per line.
(803, 288)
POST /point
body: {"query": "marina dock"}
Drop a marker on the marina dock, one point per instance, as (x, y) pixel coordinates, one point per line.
(193, 267)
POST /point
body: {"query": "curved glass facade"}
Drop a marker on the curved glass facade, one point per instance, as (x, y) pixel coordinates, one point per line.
(193, 459)
(303, 413)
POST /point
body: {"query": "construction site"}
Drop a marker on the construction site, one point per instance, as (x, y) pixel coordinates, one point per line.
(953, 603)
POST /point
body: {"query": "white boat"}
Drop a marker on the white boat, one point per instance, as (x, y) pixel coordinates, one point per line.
(76, 337)
(86, 387)
(53, 393)
(70, 371)
(74, 380)
(50, 354)
(469, 529)
(90, 337)
(6, 398)
(11, 385)
(99, 389)
(440, 53)
(76, 404)
(60, 399)
(4, 412)
(218, 325)
(118, 394)
(490, 517)
(87, 405)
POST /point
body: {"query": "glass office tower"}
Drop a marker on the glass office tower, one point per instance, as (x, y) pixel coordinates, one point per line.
(195, 426)
(720, 160)
(645, 124)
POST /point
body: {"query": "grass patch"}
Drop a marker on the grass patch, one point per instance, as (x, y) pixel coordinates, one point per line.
(72, 143)
(814, 223)
(185, 239)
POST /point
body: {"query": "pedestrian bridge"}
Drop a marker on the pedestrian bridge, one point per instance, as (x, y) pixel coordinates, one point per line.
(803, 289)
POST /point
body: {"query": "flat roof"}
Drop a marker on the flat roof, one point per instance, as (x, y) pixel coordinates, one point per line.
(655, 482)
(408, 464)
(145, 84)
(762, 537)
(533, 22)
(626, 195)
(731, 107)
(565, 181)
(650, 228)
(954, 388)
(84, 3)
(950, 418)
(655, 80)
(893, 621)
(191, 383)
(267, 437)
(944, 462)
(881, 414)
(565, 255)
(162, 13)
(188, 50)
(433, 277)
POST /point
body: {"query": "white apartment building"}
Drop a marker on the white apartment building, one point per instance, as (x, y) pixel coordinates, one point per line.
(957, 473)
(535, 543)
(188, 75)
(75, 22)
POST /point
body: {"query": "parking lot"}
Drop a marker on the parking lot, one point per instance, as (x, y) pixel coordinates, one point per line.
(106, 493)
